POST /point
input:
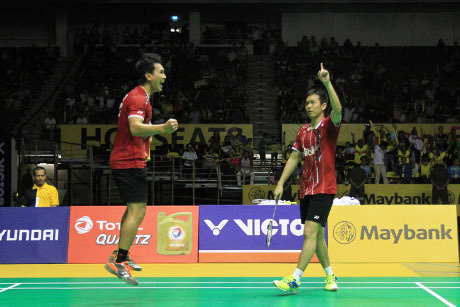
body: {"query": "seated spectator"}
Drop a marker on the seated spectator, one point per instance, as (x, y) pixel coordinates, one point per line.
(454, 172)
(358, 178)
(439, 177)
(245, 168)
(249, 147)
(405, 171)
(190, 156)
(41, 194)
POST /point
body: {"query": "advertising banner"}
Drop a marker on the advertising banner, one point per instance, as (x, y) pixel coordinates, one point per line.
(375, 194)
(393, 233)
(34, 235)
(237, 233)
(254, 192)
(5, 169)
(75, 139)
(290, 130)
(400, 194)
(167, 234)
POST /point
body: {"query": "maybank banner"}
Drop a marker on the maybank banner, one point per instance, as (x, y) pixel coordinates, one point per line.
(34, 235)
(75, 139)
(393, 233)
(375, 194)
(290, 130)
(400, 194)
(233, 233)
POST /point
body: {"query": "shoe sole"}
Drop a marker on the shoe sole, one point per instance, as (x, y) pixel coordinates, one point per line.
(291, 291)
(112, 258)
(111, 271)
(331, 290)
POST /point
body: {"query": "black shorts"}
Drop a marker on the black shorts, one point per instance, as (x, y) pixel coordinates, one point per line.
(316, 208)
(132, 184)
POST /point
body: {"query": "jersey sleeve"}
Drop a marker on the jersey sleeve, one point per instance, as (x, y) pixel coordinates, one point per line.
(54, 197)
(136, 107)
(297, 146)
(332, 129)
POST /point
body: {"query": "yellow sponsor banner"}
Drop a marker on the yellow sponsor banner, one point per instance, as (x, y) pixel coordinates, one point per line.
(400, 194)
(253, 192)
(75, 139)
(290, 130)
(393, 233)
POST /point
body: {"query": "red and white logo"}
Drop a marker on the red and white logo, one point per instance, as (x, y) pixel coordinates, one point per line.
(83, 224)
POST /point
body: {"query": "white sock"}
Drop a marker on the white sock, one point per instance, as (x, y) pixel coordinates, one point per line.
(297, 274)
(328, 271)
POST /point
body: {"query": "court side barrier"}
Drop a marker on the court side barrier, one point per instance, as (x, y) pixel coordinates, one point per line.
(168, 234)
(34, 235)
(237, 233)
(375, 194)
(425, 233)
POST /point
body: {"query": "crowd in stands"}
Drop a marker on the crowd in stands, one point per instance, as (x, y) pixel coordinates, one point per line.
(382, 84)
(24, 71)
(203, 85)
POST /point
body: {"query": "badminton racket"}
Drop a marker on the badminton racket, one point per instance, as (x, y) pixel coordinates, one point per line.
(270, 226)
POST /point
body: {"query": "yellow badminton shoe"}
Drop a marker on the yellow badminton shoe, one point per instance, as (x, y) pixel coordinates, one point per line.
(331, 283)
(287, 284)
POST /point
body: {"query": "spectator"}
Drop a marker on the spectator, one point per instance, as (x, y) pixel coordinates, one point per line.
(41, 194)
(454, 172)
(27, 181)
(214, 142)
(249, 148)
(405, 171)
(360, 149)
(190, 156)
(239, 138)
(366, 168)
(425, 170)
(262, 147)
(245, 169)
(440, 178)
(348, 153)
(357, 177)
(379, 165)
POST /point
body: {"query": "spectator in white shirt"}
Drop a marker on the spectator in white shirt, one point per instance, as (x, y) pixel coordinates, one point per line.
(190, 156)
(245, 169)
(379, 164)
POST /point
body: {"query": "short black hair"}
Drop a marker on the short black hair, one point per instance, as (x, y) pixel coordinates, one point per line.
(38, 168)
(146, 64)
(323, 96)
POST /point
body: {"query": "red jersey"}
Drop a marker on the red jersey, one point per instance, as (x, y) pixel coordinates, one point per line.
(131, 151)
(318, 147)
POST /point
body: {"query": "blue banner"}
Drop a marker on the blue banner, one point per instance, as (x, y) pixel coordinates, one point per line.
(244, 228)
(5, 169)
(34, 235)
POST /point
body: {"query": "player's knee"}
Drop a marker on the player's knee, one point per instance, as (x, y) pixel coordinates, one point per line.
(310, 233)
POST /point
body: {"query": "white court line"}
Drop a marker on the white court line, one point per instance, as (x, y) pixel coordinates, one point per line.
(439, 297)
(273, 287)
(9, 288)
(226, 282)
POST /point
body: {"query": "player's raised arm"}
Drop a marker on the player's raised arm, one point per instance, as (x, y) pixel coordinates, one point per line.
(336, 114)
(138, 128)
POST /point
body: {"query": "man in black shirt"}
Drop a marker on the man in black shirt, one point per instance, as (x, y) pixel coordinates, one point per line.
(440, 178)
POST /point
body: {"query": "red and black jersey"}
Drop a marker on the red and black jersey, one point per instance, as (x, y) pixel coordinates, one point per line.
(131, 151)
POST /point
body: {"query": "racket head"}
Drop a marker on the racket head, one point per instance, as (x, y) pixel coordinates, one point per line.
(269, 233)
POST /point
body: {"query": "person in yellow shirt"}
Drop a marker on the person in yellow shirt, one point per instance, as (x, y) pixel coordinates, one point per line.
(41, 194)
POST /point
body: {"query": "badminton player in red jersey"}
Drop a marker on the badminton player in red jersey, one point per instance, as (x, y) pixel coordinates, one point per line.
(128, 159)
(315, 144)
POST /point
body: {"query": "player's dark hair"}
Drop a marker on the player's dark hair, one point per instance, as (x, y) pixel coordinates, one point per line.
(323, 96)
(146, 64)
(37, 169)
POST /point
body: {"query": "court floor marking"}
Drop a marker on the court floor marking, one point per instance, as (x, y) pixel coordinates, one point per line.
(9, 288)
(439, 297)
(223, 282)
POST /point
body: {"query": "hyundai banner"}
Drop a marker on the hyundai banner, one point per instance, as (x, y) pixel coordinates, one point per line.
(34, 235)
(237, 233)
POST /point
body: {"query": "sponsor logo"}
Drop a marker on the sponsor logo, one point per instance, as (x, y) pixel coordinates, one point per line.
(396, 199)
(140, 112)
(83, 224)
(105, 239)
(316, 217)
(310, 151)
(257, 227)
(406, 233)
(216, 229)
(29, 235)
(344, 232)
(256, 193)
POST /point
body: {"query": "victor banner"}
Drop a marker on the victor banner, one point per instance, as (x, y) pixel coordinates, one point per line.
(34, 235)
(75, 139)
(237, 233)
(393, 233)
(167, 234)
